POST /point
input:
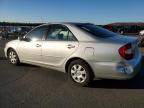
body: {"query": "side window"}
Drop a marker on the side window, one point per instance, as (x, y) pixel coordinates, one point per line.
(71, 37)
(59, 33)
(36, 34)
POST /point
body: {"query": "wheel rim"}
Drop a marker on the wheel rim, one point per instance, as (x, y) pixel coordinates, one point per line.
(78, 73)
(12, 57)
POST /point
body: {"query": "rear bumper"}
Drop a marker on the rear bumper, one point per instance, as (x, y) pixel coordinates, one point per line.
(108, 70)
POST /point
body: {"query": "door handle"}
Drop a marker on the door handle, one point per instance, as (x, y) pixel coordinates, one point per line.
(38, 45)
(70, 46)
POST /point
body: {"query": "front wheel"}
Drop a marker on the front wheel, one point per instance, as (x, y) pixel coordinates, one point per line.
(13, 57)
(80, 73)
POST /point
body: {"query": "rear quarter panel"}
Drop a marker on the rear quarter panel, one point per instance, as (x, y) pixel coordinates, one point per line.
(98, 51)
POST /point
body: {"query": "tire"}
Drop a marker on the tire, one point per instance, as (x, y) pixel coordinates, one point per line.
(13, 57)
(80, 73)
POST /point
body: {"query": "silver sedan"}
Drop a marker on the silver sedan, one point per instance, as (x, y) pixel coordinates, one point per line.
(83, 50)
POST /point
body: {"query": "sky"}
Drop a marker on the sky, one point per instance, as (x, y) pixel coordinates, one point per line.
(95, 11)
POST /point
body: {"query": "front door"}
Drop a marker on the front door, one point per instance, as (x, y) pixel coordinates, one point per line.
(30, 48)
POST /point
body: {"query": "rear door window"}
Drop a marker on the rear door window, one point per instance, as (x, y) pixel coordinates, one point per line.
(95, 30)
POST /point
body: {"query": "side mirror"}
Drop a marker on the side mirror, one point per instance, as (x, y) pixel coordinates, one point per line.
(21, 38)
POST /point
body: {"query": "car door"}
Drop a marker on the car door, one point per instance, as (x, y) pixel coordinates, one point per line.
(58, 46)
(30, 47)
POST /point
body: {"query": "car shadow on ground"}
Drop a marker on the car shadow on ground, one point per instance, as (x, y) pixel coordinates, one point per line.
(28, 65)
(135, 83)
(2, 58)
(118, 84)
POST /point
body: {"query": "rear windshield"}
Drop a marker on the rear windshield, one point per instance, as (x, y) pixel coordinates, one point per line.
(96, 30)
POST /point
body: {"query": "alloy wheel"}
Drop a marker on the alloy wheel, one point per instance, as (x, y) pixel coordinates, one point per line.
(12, 57)
(78, 73)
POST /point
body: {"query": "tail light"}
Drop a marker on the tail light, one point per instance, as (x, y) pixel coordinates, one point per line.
(126, 51)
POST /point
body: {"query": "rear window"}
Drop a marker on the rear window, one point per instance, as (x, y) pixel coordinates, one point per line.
(96, 30)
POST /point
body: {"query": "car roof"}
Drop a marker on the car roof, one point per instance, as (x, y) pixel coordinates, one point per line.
(65, 23)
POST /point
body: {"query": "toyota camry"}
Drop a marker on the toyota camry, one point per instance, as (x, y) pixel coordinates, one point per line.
(82, 50)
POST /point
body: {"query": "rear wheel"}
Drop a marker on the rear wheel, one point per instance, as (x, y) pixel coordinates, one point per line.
(13, 57)
(80, 73)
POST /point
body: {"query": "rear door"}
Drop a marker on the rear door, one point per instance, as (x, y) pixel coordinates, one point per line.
(60, 43)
